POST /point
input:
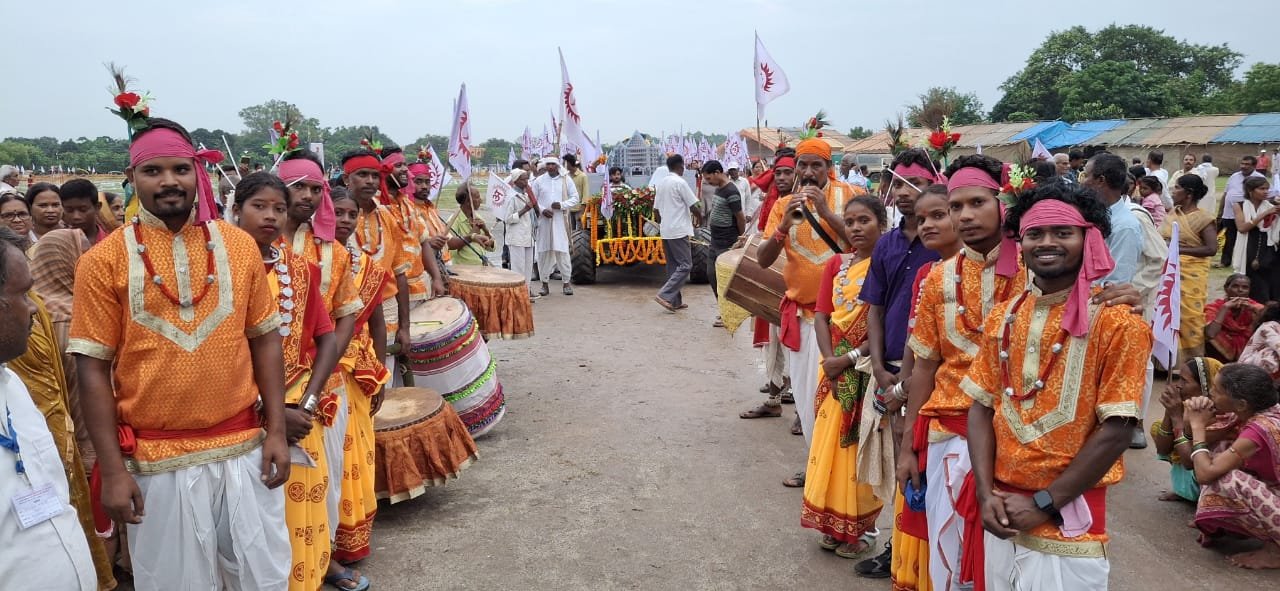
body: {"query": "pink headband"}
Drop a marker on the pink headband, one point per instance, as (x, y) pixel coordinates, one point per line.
(913, 169)
(970, 176)
(1007, 263)
(162, 142)
(323, 222)
(393, 160)
(1096, 263)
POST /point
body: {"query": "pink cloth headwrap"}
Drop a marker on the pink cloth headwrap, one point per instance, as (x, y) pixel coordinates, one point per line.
(1096, 263)
(913, 169)
(417, 169)
(324, 222)
(162, 142)
(969, 176)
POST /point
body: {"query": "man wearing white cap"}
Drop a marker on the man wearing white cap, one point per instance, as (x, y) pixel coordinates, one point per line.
(556, 195)
(519, 231)
(9, 179)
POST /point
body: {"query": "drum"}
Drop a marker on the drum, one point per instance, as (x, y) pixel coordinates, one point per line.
(419, 443)
(757, 289)
(498, 298)
(447, 354)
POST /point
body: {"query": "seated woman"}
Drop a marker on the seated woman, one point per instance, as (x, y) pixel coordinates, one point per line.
(1240, 491)
(1230, 319)
(1173, 440)
(1263, 348)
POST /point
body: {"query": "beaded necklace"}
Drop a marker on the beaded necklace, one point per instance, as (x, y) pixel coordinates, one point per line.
(1055, 352)
(280, 268)
(960, 307)
(210, 267)
(375, 240)
(842, 283)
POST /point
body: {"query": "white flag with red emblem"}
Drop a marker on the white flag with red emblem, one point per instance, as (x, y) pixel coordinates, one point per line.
(570, 120)
(1166, 316)
(439, 174)
(771, 81)
(460, 136)
(498, 194)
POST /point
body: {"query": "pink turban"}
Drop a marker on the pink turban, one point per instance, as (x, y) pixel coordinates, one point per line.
(324, 221)
(162, 142)
(1095, 265)
(969, 176)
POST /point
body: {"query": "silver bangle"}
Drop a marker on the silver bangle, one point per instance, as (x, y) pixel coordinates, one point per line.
(898, 392)
(854, 355)
(1193, 454)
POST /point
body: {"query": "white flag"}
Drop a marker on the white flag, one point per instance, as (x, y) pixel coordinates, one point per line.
(460, 136)
(439, 174)
(511, 157)
(1039, 151)
(317, 148)
(1166, 316)
(771, 81)
(576, 140)
(498, 194)
(526, 145)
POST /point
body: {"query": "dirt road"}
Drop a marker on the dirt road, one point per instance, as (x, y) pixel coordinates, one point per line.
(622, 464)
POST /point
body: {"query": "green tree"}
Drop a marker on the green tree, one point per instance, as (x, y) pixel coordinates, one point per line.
(860, 132)
(1260, 92)
(1175, 77)
(939, 102)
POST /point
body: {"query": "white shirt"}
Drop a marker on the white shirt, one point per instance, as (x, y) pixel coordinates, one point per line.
(1234, 193)
(52, 554)
(1166, 197)
(519, 230)
(553, 233)
(673, 199)
(1209, 173)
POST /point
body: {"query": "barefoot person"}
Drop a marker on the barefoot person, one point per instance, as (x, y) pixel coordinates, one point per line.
(177, 340)
(777, 181)
(1231, 319)
(836, 503)
(1171, 434)
(1240, 486)
(1057, 384)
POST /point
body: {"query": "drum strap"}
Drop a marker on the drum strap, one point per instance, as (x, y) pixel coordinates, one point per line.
(822, 233)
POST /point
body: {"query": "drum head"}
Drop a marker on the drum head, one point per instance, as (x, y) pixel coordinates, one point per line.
(485, 276)
(405, 406)
(436, 315)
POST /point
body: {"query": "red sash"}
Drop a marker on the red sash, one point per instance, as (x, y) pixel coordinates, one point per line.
(128, 437)
(911, 522)
(789, 330)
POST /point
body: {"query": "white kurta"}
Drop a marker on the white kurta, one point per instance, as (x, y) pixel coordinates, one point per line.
(52, 554)
(519, 230)
(553, 232)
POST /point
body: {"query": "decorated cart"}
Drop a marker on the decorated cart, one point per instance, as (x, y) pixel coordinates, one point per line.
(625, 232)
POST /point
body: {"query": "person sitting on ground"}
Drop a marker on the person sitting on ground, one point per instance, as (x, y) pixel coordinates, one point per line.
(1151, 188)
(1263, 348)
(1173, 439)
(1230, 319)
(1240, 487)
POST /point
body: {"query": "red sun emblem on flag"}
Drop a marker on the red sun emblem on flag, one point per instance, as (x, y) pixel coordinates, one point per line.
(570, 103)
(766, 78)
(498, 196)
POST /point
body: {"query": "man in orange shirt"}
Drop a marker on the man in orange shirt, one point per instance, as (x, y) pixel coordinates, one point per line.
(1058, 383)
(172, 316)
(425, 279)
(807, 248)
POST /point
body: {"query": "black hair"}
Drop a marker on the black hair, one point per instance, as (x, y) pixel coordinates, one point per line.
(872, 204)
(1250, 384)
(339, 193)
(784, 152)
(1269, 313)
(1252, 183)
(463, 193)
(518, 163)
(256, 182)
(938, 189)
(79, 189)
(154, 123)
(1152, 183)
(863, 169)
(1136, 161)
(9, 239)
(1233, 278)
(712, 167)
(1045, 170)
(37, 189)
(1111, 168)
(1193, 184)
(1207, 158)
(14, 196)
(304, 154)
(1138, 171)
(617, 169)
(111, 197)
(1129, 182)
(1075, 155)
(1074, 194)
(675, 161)
(570, 160)
(914, 156)
(994, 168)
(356, 154)
(1155, 157)
(1253, 160)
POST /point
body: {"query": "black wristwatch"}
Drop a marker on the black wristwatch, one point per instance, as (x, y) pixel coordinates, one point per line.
(1044, 502)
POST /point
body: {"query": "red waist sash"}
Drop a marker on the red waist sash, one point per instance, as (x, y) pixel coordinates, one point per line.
(789, 330)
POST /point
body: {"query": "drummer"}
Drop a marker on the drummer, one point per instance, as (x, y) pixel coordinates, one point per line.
(472, 235)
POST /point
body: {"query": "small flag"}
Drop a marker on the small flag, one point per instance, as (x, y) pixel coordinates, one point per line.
(317, 148)
(511, 157)
(1039, 151)
(460, 136)
(438, 174)
(771, 81)
(1167, 314)
(606, 199)
(499, 194)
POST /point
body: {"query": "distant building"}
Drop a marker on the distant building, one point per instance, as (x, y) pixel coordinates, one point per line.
(638, 157)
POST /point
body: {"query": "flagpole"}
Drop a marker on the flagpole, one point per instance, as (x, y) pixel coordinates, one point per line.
(759, 140)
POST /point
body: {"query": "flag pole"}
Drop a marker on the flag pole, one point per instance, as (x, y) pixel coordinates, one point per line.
(759, 140)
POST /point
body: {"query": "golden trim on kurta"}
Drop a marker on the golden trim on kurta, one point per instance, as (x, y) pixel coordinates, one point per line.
(196, 458)
(138, 280)
(1072, 373)
(272, 322)
(90, 349)
(976, 392)
(1082, 549)
(352, 308)
(816, 258)
(1120, 409)
(921, 350)
(951, 312)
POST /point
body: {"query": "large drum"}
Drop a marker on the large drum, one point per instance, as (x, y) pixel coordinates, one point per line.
(756, 289)
(419, 443)
(498, 298)
(448, 355)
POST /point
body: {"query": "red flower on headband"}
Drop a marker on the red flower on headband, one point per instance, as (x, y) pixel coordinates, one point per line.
(127, 100)
(938, 140)
(278, 126)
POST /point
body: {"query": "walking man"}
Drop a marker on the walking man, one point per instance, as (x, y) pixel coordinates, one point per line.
(679, 211)
(556, 195)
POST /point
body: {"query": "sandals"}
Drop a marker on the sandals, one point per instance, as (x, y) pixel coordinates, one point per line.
(796, 427)
(764, 411)
(828, 543)
(879, 567)
(788, 397)
(796, 481)
(864, 544)
(347, 575)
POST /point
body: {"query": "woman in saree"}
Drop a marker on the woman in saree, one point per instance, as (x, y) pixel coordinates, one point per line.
(1197, 242)
(1240, 486)
(1171, 434)
(1230, 319)
(835, 502)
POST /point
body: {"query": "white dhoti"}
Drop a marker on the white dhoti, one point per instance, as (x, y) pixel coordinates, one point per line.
(1011, 567)
(775, 361)
(521, 260)
(948, 465)
(334, 439)
(212, 526)
(803, 367)
(550, 261)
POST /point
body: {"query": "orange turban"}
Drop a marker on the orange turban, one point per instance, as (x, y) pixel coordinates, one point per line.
(814, 146)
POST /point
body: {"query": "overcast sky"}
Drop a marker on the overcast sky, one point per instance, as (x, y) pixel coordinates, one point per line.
(652, 65)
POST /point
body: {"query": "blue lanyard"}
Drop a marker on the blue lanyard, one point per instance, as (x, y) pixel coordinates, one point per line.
(10, 441)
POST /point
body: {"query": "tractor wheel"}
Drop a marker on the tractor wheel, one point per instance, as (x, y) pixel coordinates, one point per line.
(582, 258)
(701, 250)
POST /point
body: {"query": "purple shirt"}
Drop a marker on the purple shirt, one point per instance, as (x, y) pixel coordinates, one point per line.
(894, 262)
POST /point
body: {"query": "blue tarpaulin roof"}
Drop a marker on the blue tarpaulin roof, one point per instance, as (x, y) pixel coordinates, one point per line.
(1078, 133)
(1252, 129)
(1034, 131)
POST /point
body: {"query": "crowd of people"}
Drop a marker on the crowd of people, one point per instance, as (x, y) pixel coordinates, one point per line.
(191, 403)
(982, 365)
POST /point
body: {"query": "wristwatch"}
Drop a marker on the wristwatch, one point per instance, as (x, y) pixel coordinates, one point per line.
(1044, 502)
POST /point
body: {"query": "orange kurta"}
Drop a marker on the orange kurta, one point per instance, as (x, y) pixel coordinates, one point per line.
(335, 280)
(1098, 376)
(121, 314)
(943, 333)
(807, 254)
(413, 232)
(377, 236)
(429, 215)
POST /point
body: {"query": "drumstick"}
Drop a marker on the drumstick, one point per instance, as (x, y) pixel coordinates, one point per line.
(484, 261)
